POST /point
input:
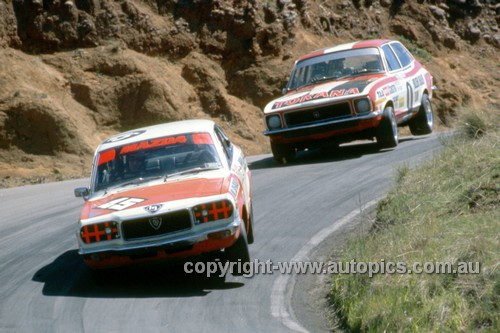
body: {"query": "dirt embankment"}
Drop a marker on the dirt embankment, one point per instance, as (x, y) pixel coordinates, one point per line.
(74, 72)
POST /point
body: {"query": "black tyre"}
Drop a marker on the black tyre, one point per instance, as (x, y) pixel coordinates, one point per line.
(387, 130)
(250, 227)
(238, 252)
(423, 123)
(283, 153)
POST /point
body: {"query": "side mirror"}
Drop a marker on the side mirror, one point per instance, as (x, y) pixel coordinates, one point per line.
(82, 192)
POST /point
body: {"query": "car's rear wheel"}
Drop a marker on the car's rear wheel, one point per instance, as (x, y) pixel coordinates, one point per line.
(423, 123)
(283, 153)
(238, 253)
(387, 130)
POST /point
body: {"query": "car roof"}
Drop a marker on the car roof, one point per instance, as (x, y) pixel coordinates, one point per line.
(346, 46)
(156, 131)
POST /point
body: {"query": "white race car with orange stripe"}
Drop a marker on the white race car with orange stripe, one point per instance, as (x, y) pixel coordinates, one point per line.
(360, 90)
(174, 190)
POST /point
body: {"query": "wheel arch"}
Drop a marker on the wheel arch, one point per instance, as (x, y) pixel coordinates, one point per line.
(389, 103)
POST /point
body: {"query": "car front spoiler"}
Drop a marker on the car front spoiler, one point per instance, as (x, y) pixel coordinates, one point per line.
(169, 244)
(346, 122)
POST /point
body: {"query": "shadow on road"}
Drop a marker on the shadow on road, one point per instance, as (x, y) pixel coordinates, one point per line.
(325, 155)
(67, 275)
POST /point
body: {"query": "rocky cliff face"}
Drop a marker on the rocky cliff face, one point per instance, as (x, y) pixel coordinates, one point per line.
(74, 72)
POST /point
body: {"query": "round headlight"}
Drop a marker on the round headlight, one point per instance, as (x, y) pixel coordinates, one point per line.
(274, 122)
(362, 106)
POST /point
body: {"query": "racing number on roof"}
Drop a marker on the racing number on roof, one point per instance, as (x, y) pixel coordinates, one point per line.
(121, 203)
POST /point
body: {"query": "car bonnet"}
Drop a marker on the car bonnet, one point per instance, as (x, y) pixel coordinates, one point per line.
(325, 92)
(150, 195)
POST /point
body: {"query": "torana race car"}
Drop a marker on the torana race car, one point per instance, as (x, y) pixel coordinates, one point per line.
(174, 190)
(360, 90)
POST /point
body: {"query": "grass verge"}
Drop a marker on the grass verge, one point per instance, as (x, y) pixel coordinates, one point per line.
(447, 210)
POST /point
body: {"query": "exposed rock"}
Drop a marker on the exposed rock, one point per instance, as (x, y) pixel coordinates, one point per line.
(439, 13)
(473, 33)
(403, 29)
(90, 68)
(385, 3)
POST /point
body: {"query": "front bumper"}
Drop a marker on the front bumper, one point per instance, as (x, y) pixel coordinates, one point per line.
(323, 130)
(173, 247)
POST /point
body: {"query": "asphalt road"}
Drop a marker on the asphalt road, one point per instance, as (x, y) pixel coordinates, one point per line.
(45, 287)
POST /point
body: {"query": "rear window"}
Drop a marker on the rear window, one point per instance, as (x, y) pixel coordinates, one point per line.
(403, 55)
(392, 61)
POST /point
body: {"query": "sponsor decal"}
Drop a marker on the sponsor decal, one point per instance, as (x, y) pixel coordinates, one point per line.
(120, 203)
(155, 222)
(234, 187)
(323, 94)
(124, 136)
(172, 140)
(389, 90)
(401, 101)
(418, 81)
(153, 208)
(310, 97)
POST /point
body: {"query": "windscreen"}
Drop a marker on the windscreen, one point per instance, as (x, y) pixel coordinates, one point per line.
(335, 65)
(149, 159)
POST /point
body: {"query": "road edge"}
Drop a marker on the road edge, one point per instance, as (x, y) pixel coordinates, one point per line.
(283, 285)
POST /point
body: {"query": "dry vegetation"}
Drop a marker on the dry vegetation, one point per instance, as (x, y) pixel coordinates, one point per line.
(446, 210)
(73, 72)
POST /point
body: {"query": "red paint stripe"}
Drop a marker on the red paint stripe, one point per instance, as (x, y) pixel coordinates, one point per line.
(370, 43)
(313, 54)
(202, 139)
(106, 156)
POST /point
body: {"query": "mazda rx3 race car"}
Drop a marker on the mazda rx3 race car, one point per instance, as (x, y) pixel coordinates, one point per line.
(360, 90)
(174, 190)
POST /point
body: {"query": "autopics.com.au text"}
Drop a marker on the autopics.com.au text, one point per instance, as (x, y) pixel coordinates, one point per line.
(255, 267)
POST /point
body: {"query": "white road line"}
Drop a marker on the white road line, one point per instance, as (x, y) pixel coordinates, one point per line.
(282, 289)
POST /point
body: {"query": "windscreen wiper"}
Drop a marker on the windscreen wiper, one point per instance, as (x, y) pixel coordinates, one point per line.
(365, 71)
(137, 181)
(324, 78)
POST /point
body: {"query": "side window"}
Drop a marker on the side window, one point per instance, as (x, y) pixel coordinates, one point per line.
(392, 61)
(225, 143)
(403, 55)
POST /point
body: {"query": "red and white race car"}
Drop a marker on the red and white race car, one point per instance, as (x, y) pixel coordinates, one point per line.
(174, 190)
(360, 90)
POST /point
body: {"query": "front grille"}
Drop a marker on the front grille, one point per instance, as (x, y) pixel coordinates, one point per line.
(156, 225)
(318, 114)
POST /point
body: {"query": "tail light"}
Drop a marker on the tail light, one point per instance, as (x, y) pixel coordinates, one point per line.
(99, 232)
(213, 211)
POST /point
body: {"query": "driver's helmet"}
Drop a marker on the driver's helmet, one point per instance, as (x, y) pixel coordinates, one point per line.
(338, 64)
(320, 69)
(135, 160)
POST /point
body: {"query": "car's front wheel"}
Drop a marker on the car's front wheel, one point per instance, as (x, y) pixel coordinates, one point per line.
(250, 238)
(423, 123)
(282, 153)
(387, 130)
(238, 252)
